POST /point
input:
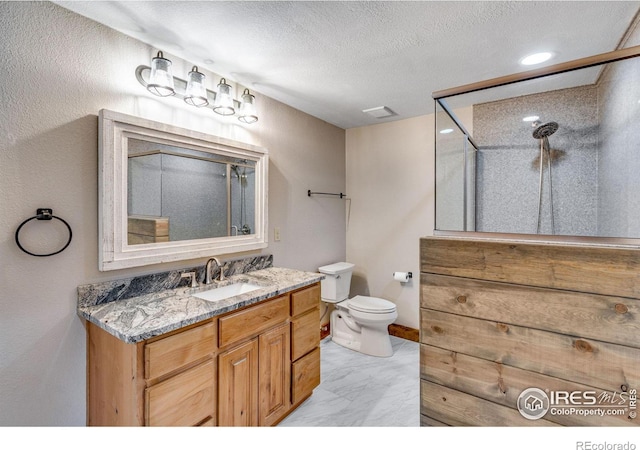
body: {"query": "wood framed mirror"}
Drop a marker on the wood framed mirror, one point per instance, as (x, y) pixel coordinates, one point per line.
(168, 194)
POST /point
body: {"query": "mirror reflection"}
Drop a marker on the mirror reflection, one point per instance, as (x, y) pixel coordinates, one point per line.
(177, 194)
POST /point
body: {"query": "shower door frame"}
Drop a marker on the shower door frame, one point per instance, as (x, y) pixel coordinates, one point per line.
(582, 63)
(468, 141)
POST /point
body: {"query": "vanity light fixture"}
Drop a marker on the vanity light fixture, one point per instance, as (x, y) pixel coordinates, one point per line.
(196, 94)
(446, 131)
(159, 80)
(224, 101)
(247, 108)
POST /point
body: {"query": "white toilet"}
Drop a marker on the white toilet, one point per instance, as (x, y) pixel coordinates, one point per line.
(359, 323)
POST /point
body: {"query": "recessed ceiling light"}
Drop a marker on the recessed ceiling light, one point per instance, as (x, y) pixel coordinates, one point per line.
(446, 131)
(536, 58)
(530, 118)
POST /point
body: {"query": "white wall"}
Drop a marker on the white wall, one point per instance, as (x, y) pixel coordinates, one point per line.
(59, 70)
(390, 181)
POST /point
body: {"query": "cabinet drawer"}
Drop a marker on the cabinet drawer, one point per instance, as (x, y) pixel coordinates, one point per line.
(305, 375)
(305, 299)
(251, 321)
(187, 399)
(178, 350)
(305, 333)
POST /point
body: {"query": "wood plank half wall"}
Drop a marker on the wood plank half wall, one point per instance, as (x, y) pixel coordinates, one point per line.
(498, 318)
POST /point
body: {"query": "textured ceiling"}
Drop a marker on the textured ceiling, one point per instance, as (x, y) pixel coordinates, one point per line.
(334, 59)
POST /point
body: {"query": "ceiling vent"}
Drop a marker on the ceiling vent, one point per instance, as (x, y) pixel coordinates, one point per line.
(379, 112)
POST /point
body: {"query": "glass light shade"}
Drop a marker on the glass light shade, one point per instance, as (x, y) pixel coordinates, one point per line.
(161, 78)
(196, 93)
(224, 101)
(247, 108)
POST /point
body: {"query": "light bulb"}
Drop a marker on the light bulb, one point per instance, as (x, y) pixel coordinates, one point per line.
(161, 79)
(196, 93)
(536, 58)
(247, 108)
(224, 101)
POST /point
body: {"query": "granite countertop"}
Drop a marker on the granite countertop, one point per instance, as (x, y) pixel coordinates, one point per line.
(139, 318)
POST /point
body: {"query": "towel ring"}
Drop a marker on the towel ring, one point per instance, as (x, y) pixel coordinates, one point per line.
(43, 214)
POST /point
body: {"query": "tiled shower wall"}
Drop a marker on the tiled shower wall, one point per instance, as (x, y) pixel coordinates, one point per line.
(508, 174)
(595, 182)
(619, 158)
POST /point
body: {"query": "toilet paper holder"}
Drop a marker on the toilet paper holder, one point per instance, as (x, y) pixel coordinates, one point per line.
(402, 277)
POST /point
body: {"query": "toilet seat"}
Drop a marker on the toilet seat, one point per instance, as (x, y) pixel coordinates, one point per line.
(371, 305)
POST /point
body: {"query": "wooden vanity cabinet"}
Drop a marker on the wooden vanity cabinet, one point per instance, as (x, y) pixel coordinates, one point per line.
(255, 374)
(248, 367)
(305, 343)
(168, 380)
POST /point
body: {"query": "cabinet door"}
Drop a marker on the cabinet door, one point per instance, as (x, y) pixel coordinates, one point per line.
(238, 386)
(275, 374)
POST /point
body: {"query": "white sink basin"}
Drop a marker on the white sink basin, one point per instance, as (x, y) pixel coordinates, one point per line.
(224, 292)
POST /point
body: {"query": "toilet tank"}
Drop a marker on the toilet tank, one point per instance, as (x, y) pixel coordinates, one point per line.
(337, 281)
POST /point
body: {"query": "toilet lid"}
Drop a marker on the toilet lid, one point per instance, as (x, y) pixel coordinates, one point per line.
(371, 304)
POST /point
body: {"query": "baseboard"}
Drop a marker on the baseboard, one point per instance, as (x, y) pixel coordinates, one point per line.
(410, 334)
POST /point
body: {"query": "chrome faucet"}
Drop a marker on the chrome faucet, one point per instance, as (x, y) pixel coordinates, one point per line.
(207, 270)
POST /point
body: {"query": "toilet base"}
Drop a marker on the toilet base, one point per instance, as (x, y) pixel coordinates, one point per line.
(370, 340)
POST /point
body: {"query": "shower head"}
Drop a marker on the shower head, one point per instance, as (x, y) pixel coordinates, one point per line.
(545, 130)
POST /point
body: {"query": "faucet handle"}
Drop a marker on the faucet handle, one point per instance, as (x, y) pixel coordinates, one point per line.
(192, 275)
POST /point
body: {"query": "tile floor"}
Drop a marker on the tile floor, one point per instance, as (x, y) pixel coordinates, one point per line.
(358, 390)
